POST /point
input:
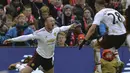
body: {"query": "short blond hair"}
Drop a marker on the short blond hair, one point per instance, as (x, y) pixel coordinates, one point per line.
(21, 15)
(45, 9)
(62, 33)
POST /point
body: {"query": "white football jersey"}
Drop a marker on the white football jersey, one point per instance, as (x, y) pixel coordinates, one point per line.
(46, 40)
(112, 19)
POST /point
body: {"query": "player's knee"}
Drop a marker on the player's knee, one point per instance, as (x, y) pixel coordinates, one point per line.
(25, 70)
(95, 45)
(22, 71)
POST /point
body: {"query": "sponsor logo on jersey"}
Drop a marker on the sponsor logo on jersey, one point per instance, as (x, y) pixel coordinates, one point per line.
(55, 34)
(32, 64)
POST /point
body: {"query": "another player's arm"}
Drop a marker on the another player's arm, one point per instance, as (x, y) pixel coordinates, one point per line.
(97, 19)
(91, 31)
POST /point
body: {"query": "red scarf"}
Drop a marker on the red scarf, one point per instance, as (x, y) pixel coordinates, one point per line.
(59, 8)
(85, 23)
(31, 19)
(8, 1)
(73, 2)
(72, 42)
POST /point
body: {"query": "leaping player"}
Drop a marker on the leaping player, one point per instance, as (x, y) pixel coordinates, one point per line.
(116, 34)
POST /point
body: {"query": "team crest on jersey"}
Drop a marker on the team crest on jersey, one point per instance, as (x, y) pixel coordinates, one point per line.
(32, 64)
(55, 34)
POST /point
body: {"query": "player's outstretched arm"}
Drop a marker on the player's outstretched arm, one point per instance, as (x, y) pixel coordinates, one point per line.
(65, 28)
(20, 39)
(89, 34)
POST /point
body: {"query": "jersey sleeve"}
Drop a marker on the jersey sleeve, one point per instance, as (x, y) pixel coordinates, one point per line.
(36, 35)
(65, 28)
(25, 37)
(98, 18)
(22, 38)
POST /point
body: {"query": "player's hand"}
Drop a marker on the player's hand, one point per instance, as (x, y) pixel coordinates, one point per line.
(74, 25)
(12, 67)
(7, 41)
(81, 45)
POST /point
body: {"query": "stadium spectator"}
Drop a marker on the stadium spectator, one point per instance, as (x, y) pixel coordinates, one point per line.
(72, 2)
(78, 10)
(14, 8)
(87, 20)
(2, 12)
(109, 4)
(118, 6)
(91, 3)
(4, 2)
(58, 7)
(36, 6)
(109, 63)
(5, 25)
(66, 17)
(65, 2)
(72, 36)
(80, 39)
(30, 18)
(21, 28)
(5, 21)
(44, 13)
(61, 38)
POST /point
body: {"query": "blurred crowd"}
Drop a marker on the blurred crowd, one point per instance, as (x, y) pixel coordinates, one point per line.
(22, 17)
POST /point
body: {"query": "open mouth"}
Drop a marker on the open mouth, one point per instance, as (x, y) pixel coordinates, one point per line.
(52, 25)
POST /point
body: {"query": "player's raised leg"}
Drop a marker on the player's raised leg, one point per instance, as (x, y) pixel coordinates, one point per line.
(97, 55)
(27, 69)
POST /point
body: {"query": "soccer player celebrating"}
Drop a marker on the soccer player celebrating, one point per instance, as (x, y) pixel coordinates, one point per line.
(116, 33)
(46, 38)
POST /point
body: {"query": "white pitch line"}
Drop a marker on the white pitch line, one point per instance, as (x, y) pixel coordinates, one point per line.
(127, 68)
(128, 64)
(126, 72)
